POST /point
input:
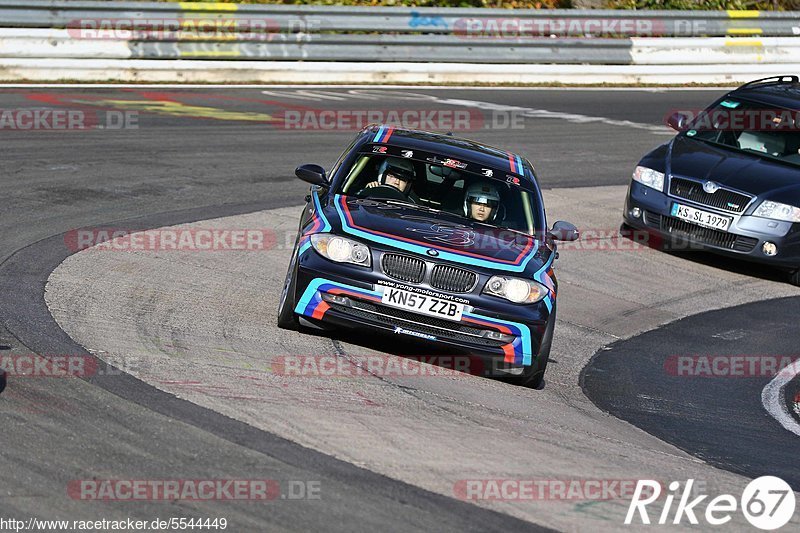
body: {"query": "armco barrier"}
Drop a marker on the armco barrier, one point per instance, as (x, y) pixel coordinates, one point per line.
(57, 43)
(578, 23)
(145, 41)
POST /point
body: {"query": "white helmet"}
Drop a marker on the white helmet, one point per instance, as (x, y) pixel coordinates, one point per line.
(482, 193)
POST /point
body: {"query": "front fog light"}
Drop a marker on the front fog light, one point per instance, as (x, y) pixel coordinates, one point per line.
(769, 249)
(498, 336)
(336, 299)
(636, 212)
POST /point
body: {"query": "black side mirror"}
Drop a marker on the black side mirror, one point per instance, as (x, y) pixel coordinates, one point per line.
(564, 231)
(313, 174)
(678, 121)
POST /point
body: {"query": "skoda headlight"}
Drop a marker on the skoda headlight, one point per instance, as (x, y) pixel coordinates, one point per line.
(649, 177)
(341, 250)
(519, 291)
(776, 211)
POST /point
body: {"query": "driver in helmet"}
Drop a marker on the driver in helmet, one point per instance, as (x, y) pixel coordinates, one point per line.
(398, 174)
(481, 202)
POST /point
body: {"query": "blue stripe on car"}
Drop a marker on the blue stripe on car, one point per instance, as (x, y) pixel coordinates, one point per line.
(523, 347)
(422, 250)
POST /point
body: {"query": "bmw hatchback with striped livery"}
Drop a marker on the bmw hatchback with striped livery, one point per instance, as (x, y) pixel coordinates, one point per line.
(429, 237)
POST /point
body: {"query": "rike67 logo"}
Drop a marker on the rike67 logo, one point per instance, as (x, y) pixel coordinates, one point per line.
(767, 503)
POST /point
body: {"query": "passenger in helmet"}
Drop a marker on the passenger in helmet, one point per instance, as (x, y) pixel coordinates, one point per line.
(481, 202)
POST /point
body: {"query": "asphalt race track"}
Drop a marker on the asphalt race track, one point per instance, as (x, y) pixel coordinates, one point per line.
(717, 412)
(194, 332)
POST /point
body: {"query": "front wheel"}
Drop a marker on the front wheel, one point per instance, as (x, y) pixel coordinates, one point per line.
(794, 278)
(532, 376)
(286, 317)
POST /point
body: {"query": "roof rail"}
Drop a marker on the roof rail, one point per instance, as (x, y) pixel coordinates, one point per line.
(788, 78)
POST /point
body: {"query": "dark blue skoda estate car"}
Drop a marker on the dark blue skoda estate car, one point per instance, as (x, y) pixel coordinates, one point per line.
(729, 181)
(433, 238)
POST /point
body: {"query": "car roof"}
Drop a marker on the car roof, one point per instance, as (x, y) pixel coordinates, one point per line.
(447, 145)
(780, 91)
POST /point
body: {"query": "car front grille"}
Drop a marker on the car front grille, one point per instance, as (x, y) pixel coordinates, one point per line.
(711, 237)
(403, 267)
(723, 198)
(443, 277)
(444, 329)
(453, 279)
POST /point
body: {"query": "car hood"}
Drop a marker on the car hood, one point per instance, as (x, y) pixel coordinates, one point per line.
(738, 170)
(437, 235)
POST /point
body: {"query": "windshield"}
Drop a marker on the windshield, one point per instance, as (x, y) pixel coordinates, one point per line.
(503, 203)
(768, 132)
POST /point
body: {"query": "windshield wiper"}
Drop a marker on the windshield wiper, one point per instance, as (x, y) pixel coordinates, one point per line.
(411, 204)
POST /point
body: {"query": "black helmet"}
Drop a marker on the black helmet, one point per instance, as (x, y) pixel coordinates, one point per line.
(401, 168)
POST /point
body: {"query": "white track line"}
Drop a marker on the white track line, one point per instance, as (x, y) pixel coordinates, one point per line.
(774, 402)
(569, 117)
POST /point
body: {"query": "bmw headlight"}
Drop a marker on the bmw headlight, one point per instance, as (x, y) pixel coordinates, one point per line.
(648, 176)
(341, 250)
(519, 291)
(776, 211)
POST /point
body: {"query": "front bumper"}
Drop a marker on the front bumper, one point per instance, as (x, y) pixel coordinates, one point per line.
(744, 240)
(350, 297)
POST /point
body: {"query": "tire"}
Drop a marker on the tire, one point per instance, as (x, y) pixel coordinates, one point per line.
(532, 376)
(286, 317)
(794, 278)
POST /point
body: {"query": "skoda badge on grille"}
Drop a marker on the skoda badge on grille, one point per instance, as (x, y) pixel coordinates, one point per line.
(710, 187)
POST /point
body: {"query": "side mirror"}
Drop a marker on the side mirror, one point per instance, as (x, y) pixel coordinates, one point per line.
(313, 174)
(678, 121)
(564, 231)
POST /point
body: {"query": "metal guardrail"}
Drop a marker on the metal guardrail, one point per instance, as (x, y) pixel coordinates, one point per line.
(57, 43)
(179, 41)
(467, 22)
